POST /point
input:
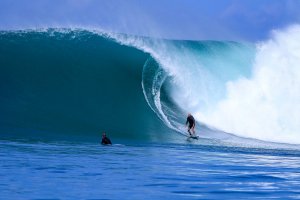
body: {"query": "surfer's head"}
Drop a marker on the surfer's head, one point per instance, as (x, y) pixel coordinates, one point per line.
(103, 134)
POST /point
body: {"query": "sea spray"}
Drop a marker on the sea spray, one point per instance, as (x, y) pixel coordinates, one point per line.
(266, 105)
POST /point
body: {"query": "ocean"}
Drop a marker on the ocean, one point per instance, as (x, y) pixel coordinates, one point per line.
(60, 170)
(62, 88)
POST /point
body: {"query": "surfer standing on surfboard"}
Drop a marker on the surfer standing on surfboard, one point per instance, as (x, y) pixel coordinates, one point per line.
(190, 122)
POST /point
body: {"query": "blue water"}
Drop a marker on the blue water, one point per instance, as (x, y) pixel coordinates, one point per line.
(60, 170)
(60, 89)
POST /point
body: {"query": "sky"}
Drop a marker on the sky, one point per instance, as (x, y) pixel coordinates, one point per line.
(247, 20)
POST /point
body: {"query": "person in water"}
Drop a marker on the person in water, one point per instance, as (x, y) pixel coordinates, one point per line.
(191, 123)
(105, 139)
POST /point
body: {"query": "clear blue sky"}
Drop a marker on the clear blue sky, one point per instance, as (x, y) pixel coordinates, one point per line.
(248, 20)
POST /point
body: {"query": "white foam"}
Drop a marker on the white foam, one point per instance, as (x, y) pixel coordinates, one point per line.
(266, 106)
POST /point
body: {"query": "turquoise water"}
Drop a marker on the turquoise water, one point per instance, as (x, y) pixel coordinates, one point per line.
(74, 83)
(38, 170)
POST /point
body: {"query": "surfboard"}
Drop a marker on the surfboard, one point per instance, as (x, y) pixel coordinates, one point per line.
(196, 137)
(188, 135)
(193, 136)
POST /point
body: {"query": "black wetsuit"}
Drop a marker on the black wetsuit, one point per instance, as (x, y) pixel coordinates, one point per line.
(105, 140)
(190, 119)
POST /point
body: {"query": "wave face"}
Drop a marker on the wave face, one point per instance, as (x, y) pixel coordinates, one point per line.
(66, 83)
(80, 82)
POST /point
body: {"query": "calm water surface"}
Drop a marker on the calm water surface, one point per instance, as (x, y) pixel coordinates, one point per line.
(31, 170)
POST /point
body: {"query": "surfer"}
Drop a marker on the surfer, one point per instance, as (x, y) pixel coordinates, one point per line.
(190, 122)
(105, 139)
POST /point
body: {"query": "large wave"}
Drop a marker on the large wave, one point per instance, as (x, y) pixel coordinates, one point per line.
(244, 89)
(63, 83)
(80, 82)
